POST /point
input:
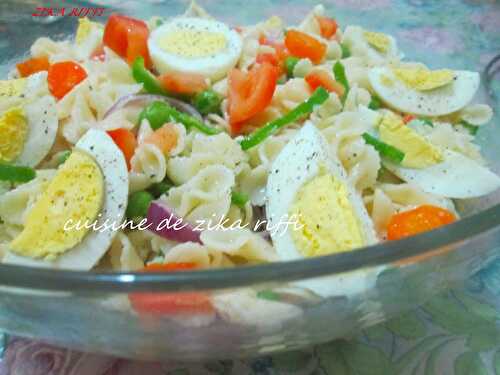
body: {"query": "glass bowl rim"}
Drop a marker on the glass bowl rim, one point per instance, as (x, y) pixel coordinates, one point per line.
(210, 279)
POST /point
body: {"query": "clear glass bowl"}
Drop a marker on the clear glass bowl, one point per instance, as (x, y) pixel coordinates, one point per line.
(90, 311)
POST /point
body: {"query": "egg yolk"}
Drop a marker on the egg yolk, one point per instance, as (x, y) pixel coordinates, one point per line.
(13, 130)
(419, 153)
(193, 43)
(379, 41)
(424, 79)
(75, 193)
(84, 29)
(12, 87)
(326, 217)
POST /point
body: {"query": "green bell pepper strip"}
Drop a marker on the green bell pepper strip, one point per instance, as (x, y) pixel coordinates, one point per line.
(207, 101)
(384, 149)
(191, 122)
(290, 63)
(239, 199)
(159, 113)
(303, 109)
(427, 121)
(340, 77)
(14, 173)
(471, 128)
(375, 103)
(144, 76)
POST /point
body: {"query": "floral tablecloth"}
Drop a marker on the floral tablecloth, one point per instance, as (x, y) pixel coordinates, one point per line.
(456, 332)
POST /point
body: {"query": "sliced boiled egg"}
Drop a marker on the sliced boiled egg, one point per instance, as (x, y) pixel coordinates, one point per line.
(88, 37)
(457, 176)
(195, 45)
(419, 152)
(376, 47)
(421, 91)
(434, 169)
(28, 120)
(307, 185)
(91, 186)
(75, 193)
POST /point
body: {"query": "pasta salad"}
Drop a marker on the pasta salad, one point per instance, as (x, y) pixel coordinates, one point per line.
(184, 143)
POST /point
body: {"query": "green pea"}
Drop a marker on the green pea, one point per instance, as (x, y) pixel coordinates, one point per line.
(138, 204)
(160, 188)
(207, 101)
(346, 52)
(290, 63)
(157, 113)
(239, 199)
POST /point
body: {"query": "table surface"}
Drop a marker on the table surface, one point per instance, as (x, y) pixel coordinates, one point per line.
(456, 332)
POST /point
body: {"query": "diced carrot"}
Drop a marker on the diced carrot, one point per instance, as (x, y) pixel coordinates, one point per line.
(408, 118)
(267, 57)
(305, 46)
(168, 267)
(263, 40)
(33, 65)
(277, 58)
(126, 142)
(418, 220)
(328, 26)
(63, 76)
(185, 303)
(165, 138)
(321, 78)
(183, 83)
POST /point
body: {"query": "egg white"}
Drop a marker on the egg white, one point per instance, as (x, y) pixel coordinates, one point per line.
(214, 66)
(300, 161)
(42, 121)
(95, 244)
(457, 176)
(353, 38)
(39, 108)
(438, 102)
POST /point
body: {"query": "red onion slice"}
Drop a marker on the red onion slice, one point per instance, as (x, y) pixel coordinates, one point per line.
(148, 98)
(163, 222)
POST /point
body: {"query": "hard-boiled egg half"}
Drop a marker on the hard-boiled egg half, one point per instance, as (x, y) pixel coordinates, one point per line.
(435, 170)
(376, 47)
(425, 92)
(195, 45)
(91, 186)
(28, 120)
(88, 37)
(308, 185)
